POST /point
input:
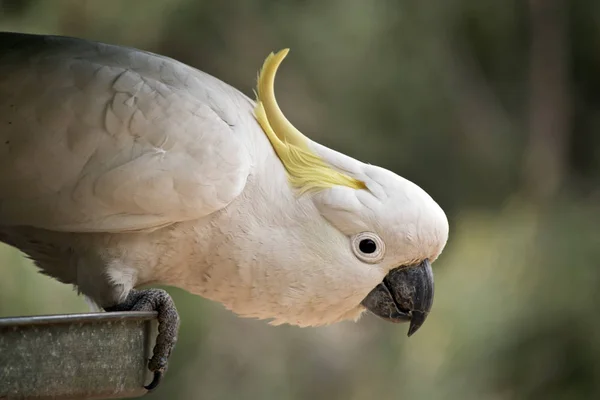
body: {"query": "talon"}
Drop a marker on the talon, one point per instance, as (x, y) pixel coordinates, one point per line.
(168, 326)
(155, 381)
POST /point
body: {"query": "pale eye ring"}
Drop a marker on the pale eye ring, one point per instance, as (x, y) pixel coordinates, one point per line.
(368, 247)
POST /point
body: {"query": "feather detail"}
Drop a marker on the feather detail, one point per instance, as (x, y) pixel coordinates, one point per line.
(306, 171)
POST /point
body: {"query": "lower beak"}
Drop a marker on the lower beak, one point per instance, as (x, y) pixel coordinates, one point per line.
(406, 294)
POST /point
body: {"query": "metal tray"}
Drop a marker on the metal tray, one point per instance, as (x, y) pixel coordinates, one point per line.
(76, 356)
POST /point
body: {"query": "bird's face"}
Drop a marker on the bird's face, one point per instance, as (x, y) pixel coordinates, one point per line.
(389, 233)
(368, 249)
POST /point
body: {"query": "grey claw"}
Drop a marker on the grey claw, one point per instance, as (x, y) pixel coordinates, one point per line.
(155, 381)
(168, 326)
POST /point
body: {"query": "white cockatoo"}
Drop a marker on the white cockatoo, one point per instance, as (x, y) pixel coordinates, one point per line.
(121, 168)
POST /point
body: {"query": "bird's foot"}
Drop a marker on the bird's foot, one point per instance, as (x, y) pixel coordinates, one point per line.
(168, 326)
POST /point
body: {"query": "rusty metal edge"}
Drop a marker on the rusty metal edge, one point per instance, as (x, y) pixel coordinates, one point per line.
(77, 318)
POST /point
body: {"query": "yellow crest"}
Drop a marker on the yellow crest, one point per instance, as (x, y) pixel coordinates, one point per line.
(306, 170)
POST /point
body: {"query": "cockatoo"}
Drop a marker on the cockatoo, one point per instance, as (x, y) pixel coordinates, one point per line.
(121, 168)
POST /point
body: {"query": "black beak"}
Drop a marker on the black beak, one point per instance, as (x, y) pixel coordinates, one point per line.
(406, 294)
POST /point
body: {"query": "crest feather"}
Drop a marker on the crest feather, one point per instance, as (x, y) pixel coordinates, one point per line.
(306, 171)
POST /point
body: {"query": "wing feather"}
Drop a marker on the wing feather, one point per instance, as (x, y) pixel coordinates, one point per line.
(100, 138)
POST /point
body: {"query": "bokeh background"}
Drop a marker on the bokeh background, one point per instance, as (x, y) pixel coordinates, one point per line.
(492, 106)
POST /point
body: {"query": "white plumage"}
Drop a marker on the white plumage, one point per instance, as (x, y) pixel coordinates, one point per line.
(120, 167)
(135, 140)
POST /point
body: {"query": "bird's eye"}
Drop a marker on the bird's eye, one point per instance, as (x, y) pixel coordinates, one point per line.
(368, 247)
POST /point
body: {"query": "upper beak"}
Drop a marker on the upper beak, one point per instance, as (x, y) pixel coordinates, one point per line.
(406, 294)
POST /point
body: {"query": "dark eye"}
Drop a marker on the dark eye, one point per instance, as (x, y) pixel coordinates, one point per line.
(367, 246)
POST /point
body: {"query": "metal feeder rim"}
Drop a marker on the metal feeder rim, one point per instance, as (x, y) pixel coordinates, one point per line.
(77, 318)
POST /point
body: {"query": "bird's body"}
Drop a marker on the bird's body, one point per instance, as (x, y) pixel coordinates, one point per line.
(120, 168)
(97, 114)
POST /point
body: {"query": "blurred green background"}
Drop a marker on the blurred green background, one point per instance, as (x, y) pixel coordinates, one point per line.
(492, 106)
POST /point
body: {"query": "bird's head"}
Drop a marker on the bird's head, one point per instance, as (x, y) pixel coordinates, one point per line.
(380, 230)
